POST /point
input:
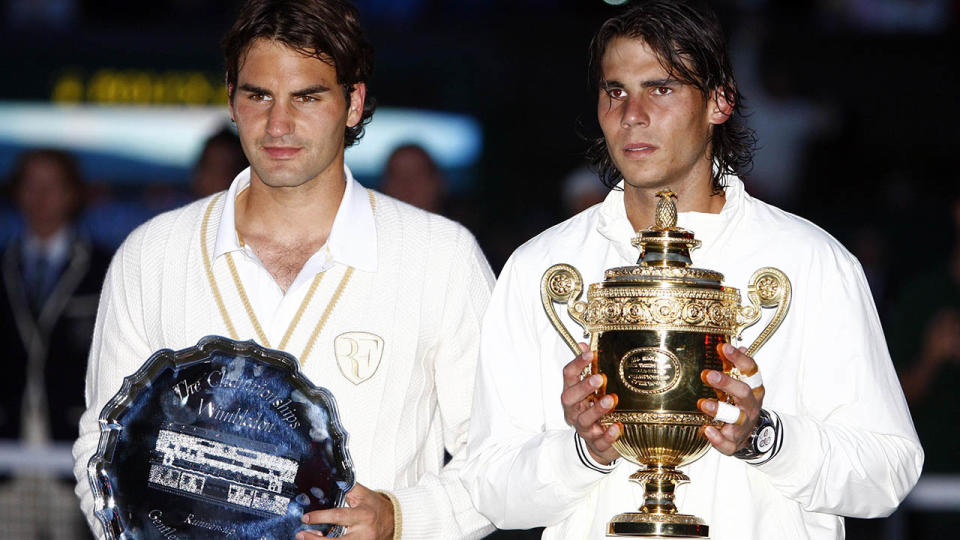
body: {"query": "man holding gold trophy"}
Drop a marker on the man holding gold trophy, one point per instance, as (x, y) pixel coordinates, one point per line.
(379, 301)
(778, 442)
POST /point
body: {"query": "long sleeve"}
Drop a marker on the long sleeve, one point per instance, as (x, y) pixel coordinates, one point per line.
(119, 341)
(524, 469)
(849, 446)
(438, 506)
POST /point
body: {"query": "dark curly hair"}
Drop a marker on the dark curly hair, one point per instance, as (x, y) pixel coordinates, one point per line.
(326, 29)
(689, 43)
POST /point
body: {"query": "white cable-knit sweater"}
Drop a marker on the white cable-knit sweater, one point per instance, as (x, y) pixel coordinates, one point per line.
(425, 300)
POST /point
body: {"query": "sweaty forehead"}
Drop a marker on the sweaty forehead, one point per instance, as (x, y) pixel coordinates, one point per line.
(630, 57)
(267, 57)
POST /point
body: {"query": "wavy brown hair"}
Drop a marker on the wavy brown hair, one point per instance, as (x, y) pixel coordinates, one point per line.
(328, 30)
(689, 43)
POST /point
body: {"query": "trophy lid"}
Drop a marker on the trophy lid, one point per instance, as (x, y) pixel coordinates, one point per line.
(665, 252)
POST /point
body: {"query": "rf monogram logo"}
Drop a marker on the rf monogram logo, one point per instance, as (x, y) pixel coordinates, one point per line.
(358, 355)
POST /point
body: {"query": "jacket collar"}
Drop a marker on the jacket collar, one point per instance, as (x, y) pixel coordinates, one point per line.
(708, 228)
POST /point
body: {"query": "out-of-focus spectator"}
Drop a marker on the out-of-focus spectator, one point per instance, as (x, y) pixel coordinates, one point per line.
(41, 14)
(783, 119)
(582, 189)
(220, 161)
(925, 343)
(925, 340)
(51, 278)
(891, 16)
(111, 213)
(412, 176)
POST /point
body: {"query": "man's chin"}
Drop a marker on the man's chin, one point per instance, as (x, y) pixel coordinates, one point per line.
(283, 180)
(280, 175)
(645, 182)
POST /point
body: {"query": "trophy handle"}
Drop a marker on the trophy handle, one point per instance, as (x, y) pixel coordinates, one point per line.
(563, 284)
(768, 288)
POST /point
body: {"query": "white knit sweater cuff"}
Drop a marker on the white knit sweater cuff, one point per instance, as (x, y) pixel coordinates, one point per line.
(415, 503)
(397, 514)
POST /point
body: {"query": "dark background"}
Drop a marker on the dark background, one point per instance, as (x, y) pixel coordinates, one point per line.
(864, 94)
(887, 87)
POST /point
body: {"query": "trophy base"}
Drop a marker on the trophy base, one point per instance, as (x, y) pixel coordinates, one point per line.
(657, 525)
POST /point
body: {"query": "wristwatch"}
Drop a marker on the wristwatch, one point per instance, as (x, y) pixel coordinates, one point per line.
(762, 439)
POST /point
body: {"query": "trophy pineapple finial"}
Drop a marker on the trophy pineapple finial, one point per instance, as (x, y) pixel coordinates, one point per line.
(666, 216)
(665, 244)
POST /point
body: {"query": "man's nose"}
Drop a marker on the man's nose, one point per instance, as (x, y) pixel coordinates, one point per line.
(635, 112)
(280, 120)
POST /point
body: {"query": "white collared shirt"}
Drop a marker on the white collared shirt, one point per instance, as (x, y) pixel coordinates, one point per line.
(352, 242)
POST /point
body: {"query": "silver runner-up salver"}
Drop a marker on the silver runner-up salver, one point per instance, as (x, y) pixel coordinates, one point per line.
(226, 439)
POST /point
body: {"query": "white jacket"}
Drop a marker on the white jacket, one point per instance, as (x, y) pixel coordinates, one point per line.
(849, 445)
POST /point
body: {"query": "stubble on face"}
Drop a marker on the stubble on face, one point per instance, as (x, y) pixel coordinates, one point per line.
(657, 128)
(291, 115)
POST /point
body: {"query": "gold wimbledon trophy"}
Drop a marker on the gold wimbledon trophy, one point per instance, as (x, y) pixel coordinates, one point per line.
(653, 328)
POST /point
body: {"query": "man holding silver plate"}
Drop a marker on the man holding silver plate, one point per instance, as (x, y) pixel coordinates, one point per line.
(774, 443)
(380, 304)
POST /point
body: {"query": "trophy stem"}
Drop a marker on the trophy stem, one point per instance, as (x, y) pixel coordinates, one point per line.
(659, 486)
(658, 516)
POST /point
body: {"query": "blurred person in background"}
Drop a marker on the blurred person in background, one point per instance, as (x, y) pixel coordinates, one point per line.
(925, 344)
(379, 301)
(582, 188)
(221, 159)
(412, 176)
(51, 279)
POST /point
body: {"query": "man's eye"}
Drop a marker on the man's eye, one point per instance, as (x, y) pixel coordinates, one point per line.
(306, 99)
(662, 90)
(259, 97)
(616, 93)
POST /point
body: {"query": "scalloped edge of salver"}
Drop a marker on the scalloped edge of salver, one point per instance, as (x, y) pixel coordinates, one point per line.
(104, 505)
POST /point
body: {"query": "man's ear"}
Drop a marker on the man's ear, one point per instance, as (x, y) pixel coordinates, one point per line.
(230, 102)
(720, 107)
(358, 96)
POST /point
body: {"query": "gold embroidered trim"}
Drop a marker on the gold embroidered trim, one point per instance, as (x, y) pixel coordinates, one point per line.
(253, 316)
(397, 514)
(326, 313)
(303, 306)
(246, 300)
(207, 266)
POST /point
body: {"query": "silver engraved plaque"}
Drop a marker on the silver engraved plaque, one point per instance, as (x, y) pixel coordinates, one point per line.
(225, 439)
